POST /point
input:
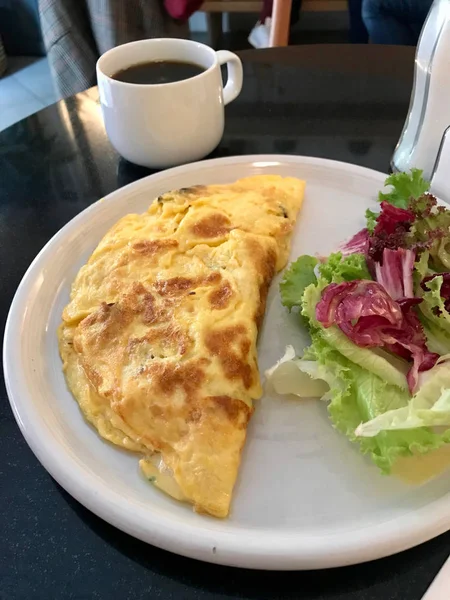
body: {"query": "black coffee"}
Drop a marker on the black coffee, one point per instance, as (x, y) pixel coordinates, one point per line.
(161, 71)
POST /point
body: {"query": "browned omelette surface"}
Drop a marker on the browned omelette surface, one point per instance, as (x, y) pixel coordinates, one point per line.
(159, 338)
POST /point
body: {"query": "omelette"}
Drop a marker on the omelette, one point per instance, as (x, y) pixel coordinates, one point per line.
(158, 341)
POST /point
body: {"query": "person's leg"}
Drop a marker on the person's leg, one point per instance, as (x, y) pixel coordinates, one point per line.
(358, 32)
(381, 20)
(395, 21)
(416, 14)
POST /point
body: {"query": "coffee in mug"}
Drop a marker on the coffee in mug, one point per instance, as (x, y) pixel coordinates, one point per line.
(159, 71)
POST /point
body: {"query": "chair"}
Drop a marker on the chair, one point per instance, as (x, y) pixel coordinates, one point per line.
(280, 26)
(281, 17)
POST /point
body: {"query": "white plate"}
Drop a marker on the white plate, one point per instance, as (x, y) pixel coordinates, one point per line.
(305, 497)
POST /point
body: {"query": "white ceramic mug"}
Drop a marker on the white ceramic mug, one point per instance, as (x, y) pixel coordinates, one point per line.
(161, 125)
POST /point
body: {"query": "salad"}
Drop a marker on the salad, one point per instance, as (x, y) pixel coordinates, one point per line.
(378, 313)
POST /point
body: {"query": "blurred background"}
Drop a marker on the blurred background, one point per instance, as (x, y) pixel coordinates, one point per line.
(48, 48)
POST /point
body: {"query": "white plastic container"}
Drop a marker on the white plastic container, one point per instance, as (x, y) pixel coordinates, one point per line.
(429, 110)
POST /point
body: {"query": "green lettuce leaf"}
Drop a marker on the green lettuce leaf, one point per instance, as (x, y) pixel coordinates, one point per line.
(338, 268)
(428, 229)
(302, 273)
(371, 220)
(438, 339)
(441, 254)
(433, 307)
(404, 187)
(297, 277)
(432, 313)
(420, 271)
(429, 407)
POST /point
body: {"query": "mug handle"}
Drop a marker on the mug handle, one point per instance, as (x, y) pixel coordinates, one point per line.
(235, 75)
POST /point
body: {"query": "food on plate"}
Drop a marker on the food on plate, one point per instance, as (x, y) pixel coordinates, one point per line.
(378, 312)
(159, 337)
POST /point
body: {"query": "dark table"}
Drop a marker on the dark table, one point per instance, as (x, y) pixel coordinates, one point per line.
(341, 102)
